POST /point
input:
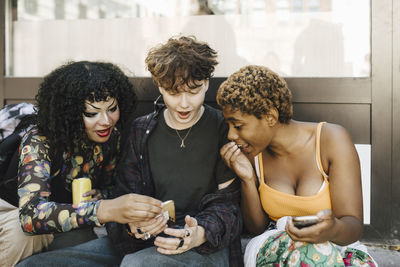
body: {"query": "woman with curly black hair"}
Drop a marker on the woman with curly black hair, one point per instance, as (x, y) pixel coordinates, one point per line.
(82, 108)
(63, 96)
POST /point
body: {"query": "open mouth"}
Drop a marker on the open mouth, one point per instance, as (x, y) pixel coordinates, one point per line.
(104, 133)
(243, 147)
(184, 115)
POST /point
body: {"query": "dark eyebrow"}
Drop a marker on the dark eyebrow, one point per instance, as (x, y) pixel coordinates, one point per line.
(232, 119)
(99, 108)
(112, 103)
(92, 105)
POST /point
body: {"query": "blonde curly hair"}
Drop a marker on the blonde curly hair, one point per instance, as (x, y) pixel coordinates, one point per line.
(255, 90)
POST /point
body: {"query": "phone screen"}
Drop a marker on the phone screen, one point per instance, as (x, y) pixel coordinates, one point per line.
(304, 221)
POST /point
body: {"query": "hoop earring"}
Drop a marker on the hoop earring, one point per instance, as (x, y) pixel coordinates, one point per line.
(155, 101)
(157, 106)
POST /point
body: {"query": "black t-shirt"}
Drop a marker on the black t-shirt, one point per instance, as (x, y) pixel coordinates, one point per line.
(186, 174)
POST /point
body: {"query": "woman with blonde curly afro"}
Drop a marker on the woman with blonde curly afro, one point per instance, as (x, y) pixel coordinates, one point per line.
(289, 169)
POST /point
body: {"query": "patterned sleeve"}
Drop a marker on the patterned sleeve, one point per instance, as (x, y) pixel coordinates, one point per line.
(39, 215)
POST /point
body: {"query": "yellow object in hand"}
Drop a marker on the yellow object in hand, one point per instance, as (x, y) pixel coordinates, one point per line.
(79, 187)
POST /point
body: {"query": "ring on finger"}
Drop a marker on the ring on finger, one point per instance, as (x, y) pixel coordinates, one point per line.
(140, 232)
(181, 242)
(187, 233)
(147, 235)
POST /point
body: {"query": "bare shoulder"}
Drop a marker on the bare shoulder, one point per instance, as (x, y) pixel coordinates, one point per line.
(336, 142)
(334, 133)
(330, 132)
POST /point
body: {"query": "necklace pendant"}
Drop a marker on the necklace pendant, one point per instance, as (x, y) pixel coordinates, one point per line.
(183, 143)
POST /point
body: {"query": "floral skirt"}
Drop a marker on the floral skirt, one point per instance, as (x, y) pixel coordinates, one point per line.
(280, 250)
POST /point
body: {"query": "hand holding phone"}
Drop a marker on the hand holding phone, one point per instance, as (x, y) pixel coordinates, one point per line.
(305, 221)
(168, 208)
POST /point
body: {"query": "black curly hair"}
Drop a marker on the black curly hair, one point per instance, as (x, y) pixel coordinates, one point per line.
(181, 61)
(255, 90)
(62, 95)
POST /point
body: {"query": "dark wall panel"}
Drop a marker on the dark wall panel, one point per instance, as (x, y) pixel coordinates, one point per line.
(356, 118)
(331, 106)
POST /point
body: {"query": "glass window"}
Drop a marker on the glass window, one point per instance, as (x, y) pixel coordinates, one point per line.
(314, 5)
(297, 38)
(298, 5)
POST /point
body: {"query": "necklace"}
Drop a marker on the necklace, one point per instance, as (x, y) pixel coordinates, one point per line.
(187, 134)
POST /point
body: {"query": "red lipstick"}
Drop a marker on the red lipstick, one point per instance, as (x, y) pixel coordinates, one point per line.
(104, 133)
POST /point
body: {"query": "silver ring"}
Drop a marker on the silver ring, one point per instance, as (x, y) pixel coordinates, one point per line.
(187, 233)
(140, 232)
(147, 235)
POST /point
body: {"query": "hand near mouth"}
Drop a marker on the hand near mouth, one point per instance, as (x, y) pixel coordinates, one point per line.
(237, 161)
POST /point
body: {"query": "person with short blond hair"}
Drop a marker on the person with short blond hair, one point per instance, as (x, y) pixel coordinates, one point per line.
(287, 169)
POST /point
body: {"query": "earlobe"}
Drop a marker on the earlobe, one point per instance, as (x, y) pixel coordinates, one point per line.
(206, 84)
(162, 90)
(272, 117)
(271, 121)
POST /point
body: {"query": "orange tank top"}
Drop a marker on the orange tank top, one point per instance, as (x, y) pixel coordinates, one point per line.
(278, 204)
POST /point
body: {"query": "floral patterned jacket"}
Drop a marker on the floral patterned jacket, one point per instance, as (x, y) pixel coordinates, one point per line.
(44, 186)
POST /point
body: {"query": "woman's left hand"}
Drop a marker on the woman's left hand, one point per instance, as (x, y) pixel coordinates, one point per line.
(95, 193)
(317, 233)
(181, 240)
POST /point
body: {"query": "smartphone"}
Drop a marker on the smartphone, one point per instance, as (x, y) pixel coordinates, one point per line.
(169, 213)
(169, 210)
(305, 221)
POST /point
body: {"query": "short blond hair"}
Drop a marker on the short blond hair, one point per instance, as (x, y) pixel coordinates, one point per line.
(254, 90)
